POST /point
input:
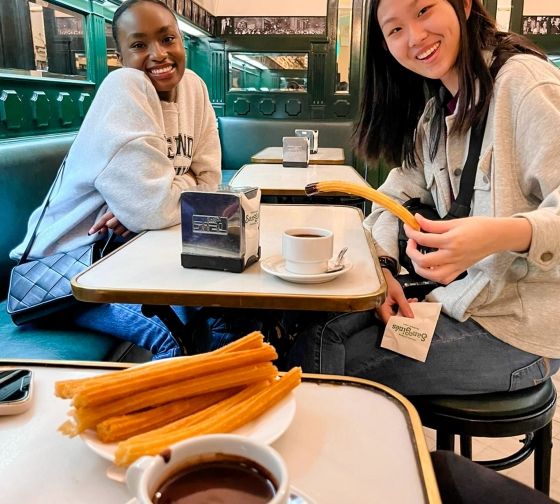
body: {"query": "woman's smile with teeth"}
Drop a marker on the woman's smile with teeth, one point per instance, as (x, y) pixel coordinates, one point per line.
(157, 71)
(428, 52)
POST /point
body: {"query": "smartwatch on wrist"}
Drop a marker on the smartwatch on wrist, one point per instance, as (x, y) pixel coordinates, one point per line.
(390, 264)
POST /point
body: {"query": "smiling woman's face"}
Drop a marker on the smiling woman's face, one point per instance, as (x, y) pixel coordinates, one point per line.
(423, 36)
(150, 40)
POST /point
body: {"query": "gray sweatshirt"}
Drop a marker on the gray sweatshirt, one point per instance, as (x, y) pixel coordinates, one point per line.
(516, 297)
(133, 155)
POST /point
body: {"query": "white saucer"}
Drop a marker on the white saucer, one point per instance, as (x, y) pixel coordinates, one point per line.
(296, 497)
(275, 265)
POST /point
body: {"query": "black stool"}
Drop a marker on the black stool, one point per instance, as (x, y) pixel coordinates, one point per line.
(500, 414)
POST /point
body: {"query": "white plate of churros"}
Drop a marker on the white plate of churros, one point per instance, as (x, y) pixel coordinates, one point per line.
(124, 415)
(266, 429)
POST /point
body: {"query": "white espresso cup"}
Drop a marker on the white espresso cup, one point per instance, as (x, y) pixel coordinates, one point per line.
(307, 250)
(150, 476)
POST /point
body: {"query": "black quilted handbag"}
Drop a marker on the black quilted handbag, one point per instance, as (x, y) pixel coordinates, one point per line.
(42, 286)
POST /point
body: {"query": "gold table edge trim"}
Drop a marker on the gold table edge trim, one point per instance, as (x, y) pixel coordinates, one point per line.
(426, 469)
(327, 303)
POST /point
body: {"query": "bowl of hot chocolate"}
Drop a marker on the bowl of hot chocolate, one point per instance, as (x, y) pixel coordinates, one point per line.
(211, 468)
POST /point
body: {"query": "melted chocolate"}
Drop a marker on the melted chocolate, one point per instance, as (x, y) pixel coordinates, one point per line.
(233, 480)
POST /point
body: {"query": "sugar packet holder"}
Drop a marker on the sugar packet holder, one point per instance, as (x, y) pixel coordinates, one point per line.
(220, 227)
(412, 337)
(295, 152)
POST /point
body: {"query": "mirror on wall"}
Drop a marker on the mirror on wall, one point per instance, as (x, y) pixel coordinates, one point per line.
(268, 72)
(50, 40)
(343, 45)
(112, 59)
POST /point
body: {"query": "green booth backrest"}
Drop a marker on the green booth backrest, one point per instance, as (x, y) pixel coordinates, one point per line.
(27, 169)
(240, 138)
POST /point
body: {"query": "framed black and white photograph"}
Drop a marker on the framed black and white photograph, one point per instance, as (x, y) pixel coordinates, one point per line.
(259, 25)
(226, 26)
(541, 25)
(69, 26)
(180, 7)
(211, 24)
(203, 19)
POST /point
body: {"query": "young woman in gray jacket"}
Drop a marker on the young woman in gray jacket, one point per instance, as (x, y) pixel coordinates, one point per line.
(428, 83)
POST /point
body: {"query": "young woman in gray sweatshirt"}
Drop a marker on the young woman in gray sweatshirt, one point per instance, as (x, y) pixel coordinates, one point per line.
(149, 134)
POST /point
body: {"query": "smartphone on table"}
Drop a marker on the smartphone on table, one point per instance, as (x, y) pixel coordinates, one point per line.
(16, 391)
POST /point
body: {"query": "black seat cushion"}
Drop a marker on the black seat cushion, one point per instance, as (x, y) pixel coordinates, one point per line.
(493, 405)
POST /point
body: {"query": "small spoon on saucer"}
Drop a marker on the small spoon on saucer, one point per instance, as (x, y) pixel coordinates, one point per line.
(337, 264)
(298, 497)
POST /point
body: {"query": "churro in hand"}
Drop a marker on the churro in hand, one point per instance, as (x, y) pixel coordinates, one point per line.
(365, 192)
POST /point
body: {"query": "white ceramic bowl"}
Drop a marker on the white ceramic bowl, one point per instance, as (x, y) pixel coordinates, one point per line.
(147, 474)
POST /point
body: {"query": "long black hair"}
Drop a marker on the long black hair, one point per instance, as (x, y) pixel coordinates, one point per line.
(394, 98)
(127, 4)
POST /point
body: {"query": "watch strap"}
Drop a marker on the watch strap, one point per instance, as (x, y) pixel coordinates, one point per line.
(389, 263)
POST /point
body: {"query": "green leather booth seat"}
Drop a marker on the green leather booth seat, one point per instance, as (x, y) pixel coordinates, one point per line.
(27, 169)
(240, 138)
(55, 342)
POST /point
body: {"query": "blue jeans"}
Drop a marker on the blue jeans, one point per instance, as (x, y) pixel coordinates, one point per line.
(464, 358)
(127, 322)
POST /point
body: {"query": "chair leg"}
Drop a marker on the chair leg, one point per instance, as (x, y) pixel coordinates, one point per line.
(543, 451)
(466, 446)
(445, 440)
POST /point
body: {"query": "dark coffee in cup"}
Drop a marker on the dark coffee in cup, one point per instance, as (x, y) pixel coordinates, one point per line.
(231, 479)
(307, 250)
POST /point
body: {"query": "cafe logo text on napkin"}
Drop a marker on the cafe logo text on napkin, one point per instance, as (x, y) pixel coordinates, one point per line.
(412, 336)
(409, 332)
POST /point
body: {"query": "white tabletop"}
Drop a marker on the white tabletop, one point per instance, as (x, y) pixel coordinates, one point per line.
(325, 155)
(277, 180)
(148, 269)
(355, 444)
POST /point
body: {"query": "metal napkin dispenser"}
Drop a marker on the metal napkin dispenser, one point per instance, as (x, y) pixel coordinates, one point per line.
(312, 136)
(220, 227)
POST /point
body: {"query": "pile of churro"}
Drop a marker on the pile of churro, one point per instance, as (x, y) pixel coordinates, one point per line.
(148, 408)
